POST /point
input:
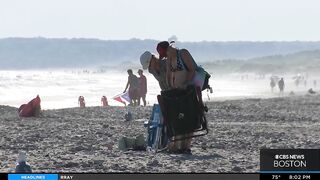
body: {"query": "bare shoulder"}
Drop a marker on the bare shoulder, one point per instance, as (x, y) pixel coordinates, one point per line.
(185, 53)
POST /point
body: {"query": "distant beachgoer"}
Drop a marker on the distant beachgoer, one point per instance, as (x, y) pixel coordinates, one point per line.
(143, 87)
(32, 109)
(104, 101)
(22, 166)
(128, 116)
(291, 93)
(272, 84)
(305, 83)
(81, 102)
(297, 82)
(314, 83)
(156, 67)
(281, 86)
(133, 84)
(311, 91)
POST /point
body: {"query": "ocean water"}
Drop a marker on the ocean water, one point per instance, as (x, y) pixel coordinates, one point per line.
(61, 88)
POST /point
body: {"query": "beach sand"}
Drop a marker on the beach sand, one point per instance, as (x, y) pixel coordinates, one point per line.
(85, 140)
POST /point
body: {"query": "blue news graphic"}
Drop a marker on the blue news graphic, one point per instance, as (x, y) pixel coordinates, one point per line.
(33, 177)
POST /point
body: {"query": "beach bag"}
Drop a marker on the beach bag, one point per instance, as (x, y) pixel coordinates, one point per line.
(32, 109)
(201, 77)
(137, 143)
(184, 113)
(140, 143)
(23, 167)
(122, 145)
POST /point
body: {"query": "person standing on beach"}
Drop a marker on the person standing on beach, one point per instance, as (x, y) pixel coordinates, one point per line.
(305, 83)
(180, 65)
(143, 87)
(104, 101)
(314, 83)
(281, 86)
(272, 84)
(133, 84)
(156, 67)
(181, 69)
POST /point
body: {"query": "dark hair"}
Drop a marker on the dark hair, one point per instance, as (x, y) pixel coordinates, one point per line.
(162, 48)
(163, 44)
(129, 71)
(140, 70)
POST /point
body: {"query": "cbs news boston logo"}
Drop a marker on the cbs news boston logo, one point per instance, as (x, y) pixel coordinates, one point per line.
(290, 159)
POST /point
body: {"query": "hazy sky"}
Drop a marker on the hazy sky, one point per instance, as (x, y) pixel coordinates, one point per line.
(194, 20)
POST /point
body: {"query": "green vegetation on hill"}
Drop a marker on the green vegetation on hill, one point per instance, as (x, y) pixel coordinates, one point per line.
(306, 61)
(34, 53)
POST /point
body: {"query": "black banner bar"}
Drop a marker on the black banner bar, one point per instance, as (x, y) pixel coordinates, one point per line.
(159, 176)
(251, 176)
(96, 176)
(3, 176)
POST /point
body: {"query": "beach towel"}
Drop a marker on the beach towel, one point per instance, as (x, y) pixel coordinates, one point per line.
(32, 109)
(122, 98)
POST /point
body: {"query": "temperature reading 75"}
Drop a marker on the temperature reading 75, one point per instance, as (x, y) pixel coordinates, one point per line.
(276, 177)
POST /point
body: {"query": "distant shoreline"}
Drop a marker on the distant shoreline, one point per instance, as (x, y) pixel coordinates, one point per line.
(212, 100)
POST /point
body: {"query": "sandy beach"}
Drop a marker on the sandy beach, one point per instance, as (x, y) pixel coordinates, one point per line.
(85, 140)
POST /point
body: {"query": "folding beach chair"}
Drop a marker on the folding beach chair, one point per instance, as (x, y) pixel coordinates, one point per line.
(157, 137)
(183, 113)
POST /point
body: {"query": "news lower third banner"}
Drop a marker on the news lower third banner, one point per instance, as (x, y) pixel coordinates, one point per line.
(275, 164)
(283, 164)
(96, 176)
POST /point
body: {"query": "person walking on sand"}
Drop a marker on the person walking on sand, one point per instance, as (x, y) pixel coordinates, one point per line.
(133, 84)
(156, 67)
(143, 87)
(281, 86)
